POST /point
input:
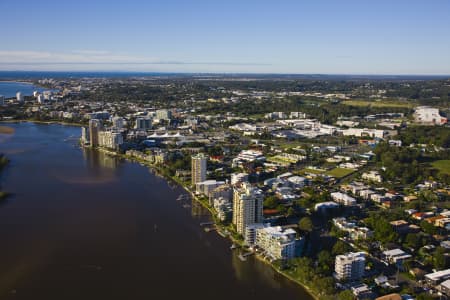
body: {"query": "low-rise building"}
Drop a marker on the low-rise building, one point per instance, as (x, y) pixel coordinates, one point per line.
(278, 243)
(372, 176)
(350, 266)
(438, 277)
(343, 199)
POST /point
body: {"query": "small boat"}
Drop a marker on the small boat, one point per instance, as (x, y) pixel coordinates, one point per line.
(233, 247)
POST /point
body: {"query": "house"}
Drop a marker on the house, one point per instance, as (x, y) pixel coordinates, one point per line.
(400, 226)
(395, 256)
(437, 277)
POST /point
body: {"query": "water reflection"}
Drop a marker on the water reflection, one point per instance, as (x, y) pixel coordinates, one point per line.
(100, 169)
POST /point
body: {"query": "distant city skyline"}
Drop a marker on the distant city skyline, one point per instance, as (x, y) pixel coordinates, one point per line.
(299, 37)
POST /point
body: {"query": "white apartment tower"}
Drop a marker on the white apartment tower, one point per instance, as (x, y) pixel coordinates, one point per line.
(350, 266)
(19, 97)
(198, 168)
(247, 206)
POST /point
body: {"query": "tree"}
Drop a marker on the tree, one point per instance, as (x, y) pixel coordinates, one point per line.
(412, 240)
(325, 260)
(290, 212)
(271, 202)
(427, 227)
(340, 248)
(305, 224)
(346, 295)
(439, 259)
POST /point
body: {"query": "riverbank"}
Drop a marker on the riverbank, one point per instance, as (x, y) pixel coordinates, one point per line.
(43, 122)
(4, 161)
(220, 228)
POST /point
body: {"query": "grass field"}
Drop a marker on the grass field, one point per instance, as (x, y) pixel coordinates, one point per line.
(382, 103)
(442, 165)
(340, 172)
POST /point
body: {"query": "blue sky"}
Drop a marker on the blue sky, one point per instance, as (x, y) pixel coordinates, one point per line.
(284, 36)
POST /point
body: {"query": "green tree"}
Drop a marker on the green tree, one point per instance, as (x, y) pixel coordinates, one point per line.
(325, 260)
(439, 259)
(271, 202)
(305, 224)
(346, 295)
(428, 228)
(340, 248)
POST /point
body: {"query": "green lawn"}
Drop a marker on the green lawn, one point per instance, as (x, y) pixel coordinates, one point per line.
(442, 165)
(340, 172)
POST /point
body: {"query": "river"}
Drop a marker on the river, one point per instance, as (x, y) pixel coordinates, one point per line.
(82, 225)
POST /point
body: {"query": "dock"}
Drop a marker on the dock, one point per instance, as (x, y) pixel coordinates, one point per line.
(206, 223)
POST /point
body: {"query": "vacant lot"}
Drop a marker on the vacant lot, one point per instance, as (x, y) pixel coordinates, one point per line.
(340, 172)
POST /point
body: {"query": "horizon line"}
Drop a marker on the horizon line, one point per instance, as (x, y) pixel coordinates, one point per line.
(233, 73)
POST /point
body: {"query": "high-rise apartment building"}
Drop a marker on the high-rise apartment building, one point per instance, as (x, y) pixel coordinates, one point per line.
(19, 97)
(95, 126)
(143, 123)
(247, 206)
(198, 168)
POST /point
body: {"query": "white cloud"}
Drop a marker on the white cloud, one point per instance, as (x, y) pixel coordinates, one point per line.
(72, 57)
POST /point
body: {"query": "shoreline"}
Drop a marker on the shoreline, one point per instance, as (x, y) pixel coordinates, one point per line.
(43, 122)
(158, 169)
(212, 215)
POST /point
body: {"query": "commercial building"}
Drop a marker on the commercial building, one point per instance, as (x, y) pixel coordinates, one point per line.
(198, 168)
(247, 206)
(429, 116)
(360, 132)
(350, 266)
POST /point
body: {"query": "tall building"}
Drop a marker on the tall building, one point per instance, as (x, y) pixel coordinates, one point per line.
(118, 122)
(40, 98)
(247, 206)
(95, 126)
(2, 100)
(350, 266)
(198, 168)
(19, 97)
(84, 135)
(143, 123)
(110, 139)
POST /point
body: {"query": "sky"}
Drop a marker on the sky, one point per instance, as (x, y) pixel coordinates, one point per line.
(228, 36)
